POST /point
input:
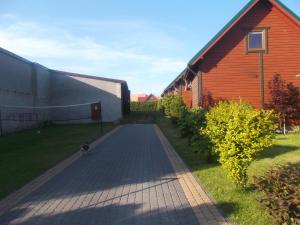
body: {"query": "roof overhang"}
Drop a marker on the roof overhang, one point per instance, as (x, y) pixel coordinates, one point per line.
(289, 13)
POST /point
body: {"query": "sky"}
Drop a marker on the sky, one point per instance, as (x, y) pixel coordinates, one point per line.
(147, 43)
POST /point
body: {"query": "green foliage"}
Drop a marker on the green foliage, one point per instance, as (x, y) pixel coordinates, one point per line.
(190, 123)
(164, 104)
(173, 106)
(284, 98)
(238, 132)
(143, 106)
(280, 187)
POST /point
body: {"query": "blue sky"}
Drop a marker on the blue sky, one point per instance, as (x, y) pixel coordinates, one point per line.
(147, 43)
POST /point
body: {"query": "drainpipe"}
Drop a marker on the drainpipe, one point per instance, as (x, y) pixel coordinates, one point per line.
(180, 88)
(200, 92)
(262, 80)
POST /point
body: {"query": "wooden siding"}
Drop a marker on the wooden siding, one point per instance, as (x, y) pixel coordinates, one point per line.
(230, 73)
(195, 97)
(187, 96)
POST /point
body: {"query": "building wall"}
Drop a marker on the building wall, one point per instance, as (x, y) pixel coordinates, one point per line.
(228, 72)
(187, 96)
(195, 96)
(68, 90)
(18, 87)
(23, 83)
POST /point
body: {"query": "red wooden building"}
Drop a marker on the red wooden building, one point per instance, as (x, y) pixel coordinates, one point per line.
(262, 40)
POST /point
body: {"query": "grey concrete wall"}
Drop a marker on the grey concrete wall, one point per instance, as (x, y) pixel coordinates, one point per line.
(16, 88)
(67, 89)
(42, 81)
(23, 83)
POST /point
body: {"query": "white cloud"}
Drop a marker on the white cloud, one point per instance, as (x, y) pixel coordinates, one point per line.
(58, 48)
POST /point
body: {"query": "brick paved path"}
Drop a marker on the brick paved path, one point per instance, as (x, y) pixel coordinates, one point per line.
(127, 180)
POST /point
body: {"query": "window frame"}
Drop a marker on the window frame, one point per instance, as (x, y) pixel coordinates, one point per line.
(265, 47)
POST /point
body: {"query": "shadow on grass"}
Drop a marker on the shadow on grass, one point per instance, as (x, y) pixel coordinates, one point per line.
(203, 166)
(228, 207)
(276, 150)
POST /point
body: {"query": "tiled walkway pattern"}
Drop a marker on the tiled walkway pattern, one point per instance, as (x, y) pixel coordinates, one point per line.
(202, 205)
(127, 180)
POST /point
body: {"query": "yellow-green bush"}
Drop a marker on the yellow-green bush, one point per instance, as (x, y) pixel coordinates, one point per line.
(173, 106)
(238, 132)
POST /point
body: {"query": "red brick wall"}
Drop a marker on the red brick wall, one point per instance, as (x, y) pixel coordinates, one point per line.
(228, 72)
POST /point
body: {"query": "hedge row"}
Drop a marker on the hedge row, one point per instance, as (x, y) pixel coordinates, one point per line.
(237, 133)
(143, 106)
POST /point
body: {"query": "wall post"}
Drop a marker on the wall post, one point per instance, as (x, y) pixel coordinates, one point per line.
(262, 81)
(200, 91)
(1, 128)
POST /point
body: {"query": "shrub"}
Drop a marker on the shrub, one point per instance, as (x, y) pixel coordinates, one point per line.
(159, 105)
(191, 121)
(238, 132)
(143, 106)
(173, 106)
(176, 108)
(165, 104)
(280, 188)
(284, 99)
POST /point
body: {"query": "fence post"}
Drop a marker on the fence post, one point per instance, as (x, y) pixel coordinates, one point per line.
(1, 130)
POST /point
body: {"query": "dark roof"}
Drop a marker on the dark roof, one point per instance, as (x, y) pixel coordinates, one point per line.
(176, 79)
(6, 52)
(13, 55)
(89, 76)
(235, 19)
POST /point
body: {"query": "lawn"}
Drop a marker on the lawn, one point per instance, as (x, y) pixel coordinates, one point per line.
(27, 154)
(239, 205)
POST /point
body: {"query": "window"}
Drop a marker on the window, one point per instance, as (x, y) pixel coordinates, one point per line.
(256, 40)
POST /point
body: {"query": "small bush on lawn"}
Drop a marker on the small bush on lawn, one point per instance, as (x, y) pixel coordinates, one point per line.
(190, 122)
(143, 106)
(164, 104)
(238, 132)
(284, 99)
(173, 106)
(176, 108)
(280, 188)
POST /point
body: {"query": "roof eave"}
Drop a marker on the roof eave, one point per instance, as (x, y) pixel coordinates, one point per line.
(223, 31)
(277, 3)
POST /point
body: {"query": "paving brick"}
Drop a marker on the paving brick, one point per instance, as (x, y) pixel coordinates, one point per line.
(126, 179)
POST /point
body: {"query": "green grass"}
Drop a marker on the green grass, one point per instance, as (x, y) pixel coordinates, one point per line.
(239, 205)
(27, 154)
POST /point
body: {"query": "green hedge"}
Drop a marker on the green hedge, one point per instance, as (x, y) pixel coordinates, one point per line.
(143, 106)
(172, 106)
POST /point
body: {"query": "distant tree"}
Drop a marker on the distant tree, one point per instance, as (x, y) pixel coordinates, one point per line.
(284, 99)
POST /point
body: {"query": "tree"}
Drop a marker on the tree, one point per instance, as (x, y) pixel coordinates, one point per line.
(284, 99)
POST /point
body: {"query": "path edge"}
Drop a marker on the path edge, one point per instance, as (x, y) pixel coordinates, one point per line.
(15, 197)
(192, 187)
